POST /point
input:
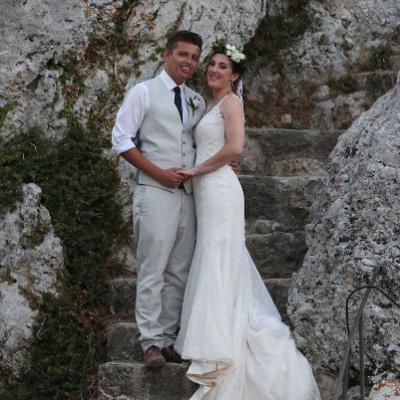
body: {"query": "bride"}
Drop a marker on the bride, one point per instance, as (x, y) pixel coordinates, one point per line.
(231, 330)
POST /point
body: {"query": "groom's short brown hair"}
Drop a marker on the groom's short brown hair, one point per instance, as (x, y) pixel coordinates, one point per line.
(183, 36)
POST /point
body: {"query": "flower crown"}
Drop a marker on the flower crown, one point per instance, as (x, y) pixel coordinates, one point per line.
(220, 46)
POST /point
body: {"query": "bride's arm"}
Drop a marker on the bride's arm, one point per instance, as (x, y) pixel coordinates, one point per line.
(232, 113)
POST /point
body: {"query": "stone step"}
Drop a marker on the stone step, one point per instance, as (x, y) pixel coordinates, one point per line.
(285, 200)
(123, 342)
(133, 381)
(123, 293)
(287, 152)
(122, 336)
(279, 291)
(395, 62)
(375, 83)
(277, 254)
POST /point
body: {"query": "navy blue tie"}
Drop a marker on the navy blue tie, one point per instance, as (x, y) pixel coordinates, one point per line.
(178, 100)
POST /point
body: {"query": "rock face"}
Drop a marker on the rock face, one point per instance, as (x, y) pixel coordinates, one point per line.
(385, 390)
(343, 24)
(33, 33)
(326, 78)
(31, 263)
(37, 39)
(43, 41)
(355, 228)
(151, 20)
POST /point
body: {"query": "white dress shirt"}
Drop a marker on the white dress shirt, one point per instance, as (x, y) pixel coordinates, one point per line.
(135, 107)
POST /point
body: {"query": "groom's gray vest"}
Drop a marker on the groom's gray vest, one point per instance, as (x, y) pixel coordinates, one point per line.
(162, 138)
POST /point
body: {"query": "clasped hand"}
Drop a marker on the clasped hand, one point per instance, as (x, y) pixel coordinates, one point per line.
(188, 173)
(172, 177)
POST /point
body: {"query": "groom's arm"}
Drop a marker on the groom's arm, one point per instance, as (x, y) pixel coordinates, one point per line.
(129, 119)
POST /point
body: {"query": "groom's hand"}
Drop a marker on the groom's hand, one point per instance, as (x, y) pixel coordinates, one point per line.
(235, 165)
(170, 178)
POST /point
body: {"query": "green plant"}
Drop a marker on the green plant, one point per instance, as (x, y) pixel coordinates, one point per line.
(379, 84)
(37, 236)
(5, 110)
(118, 37)
(346, 84)
(380, 58)
(276, 32)
(79, 188)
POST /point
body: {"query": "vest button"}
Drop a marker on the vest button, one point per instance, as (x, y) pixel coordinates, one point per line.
(183, 142)
(184, 154)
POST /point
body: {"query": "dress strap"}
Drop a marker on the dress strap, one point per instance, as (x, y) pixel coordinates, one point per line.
(217, 105)
(222, 99)
(229, 94)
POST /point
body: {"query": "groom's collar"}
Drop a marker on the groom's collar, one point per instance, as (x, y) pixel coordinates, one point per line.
(169, 82)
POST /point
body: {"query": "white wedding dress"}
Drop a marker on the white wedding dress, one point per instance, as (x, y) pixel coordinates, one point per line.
(231, 330)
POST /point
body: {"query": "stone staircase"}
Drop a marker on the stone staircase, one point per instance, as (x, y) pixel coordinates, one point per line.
(281, 171)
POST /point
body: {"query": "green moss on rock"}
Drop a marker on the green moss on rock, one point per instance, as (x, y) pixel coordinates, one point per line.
(380, 58)
(79, 188)
(277, 32)
(347, 84)
(38, 235)
(4, 111)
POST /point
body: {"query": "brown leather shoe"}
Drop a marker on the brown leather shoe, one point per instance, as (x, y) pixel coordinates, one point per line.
(171, 355)
(153, 357)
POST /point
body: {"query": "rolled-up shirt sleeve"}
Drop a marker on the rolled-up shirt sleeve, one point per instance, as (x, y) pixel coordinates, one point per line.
(129, 118)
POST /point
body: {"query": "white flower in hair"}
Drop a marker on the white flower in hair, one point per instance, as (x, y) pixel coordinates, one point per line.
(234, 53)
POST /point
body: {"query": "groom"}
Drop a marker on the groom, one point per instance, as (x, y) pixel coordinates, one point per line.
(153, 132)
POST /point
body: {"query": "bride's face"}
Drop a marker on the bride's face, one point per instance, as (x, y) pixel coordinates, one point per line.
(220, 74)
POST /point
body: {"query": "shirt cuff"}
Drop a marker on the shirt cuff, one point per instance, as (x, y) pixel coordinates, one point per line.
(123, 146)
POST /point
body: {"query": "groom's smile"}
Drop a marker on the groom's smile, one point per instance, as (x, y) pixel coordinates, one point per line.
(182, 61)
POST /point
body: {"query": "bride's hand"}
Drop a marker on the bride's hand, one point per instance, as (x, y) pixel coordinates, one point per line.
(188, 172)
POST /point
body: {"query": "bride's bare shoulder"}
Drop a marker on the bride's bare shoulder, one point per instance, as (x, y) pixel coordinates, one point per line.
(231, 104)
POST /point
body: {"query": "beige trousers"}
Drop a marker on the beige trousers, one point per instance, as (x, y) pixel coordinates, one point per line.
(164, 225)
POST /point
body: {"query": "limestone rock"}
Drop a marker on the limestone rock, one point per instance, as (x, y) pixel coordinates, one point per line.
(34, 32)
(95, 85)
(123, 343)
(31, 264)
(385, 390)
(286, 152)
(37, 39)
(355, 224)
(151, 20)
(327, 49)
(133, 381)
(343, 39)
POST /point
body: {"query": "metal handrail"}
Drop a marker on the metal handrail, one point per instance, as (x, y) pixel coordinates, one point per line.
(341, 384)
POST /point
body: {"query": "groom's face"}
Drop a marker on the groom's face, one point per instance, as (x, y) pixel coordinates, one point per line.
(182, 61)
